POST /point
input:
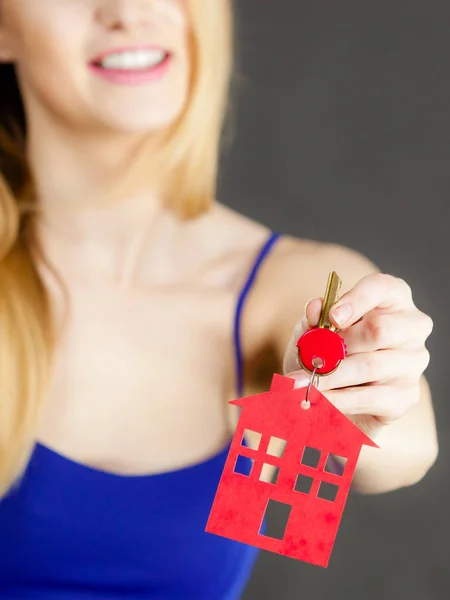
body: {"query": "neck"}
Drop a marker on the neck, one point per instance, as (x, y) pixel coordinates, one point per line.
(104, 240)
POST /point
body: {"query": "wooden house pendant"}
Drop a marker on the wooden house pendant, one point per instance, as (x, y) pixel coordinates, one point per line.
(307, 483)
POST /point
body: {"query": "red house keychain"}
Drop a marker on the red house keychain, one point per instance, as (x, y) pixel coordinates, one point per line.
(316, 437)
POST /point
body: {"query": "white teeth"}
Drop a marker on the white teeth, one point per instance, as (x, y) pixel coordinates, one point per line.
(139, 59)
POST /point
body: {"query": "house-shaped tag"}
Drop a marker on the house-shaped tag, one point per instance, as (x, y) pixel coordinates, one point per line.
(307, 482)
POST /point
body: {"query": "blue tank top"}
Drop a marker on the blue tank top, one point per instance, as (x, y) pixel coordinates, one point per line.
(71, 532)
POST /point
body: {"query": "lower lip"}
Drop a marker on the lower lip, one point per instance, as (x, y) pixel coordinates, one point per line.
(128, 77)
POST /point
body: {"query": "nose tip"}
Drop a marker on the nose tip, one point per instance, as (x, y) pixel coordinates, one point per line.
(124, 14)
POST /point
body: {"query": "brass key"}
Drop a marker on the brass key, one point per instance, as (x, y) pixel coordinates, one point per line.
(321, 349)
(330, 298)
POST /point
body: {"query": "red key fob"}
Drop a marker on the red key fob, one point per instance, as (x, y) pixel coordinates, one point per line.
(324, 346)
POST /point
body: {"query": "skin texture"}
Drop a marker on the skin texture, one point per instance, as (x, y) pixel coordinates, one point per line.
(144, 364)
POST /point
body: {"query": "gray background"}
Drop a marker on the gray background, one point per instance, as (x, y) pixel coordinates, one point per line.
(342, 134)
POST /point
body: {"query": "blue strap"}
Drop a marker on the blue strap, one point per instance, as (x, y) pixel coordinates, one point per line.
(265, 250)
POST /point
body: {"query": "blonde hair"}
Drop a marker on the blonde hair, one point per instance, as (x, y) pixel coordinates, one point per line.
(186, 160)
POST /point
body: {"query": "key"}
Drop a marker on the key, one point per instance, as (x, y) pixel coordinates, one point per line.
(321, 349)
(330, 298)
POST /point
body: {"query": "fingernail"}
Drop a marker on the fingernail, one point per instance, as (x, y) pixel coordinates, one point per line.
(342, 314)
(307, 304)
(301, 380)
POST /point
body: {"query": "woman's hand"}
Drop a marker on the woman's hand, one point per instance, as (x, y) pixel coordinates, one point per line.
(385, 333)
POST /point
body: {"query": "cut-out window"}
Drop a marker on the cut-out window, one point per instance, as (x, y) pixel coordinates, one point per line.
(303, 484)
(335, 464)
(327, 491)
(276, 446)
(277, 515)
(243, 465)
(251, 438)
(311, 457)
(269, 474)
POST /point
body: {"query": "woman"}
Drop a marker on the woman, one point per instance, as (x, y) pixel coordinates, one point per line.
(119, 304)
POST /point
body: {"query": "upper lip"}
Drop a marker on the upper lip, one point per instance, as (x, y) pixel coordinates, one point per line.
(99, 57)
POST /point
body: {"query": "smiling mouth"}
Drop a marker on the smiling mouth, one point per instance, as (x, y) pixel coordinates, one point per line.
(133, 60)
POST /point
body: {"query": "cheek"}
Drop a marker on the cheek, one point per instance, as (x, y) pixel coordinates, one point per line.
(49, 60)
(175, 16)
(35, 25)
(47, 79)
(175, 11)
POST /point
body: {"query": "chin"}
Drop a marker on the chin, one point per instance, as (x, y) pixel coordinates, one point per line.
(141, 109)
(138, 123)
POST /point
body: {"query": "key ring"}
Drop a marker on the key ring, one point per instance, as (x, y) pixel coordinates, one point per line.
(317, 364)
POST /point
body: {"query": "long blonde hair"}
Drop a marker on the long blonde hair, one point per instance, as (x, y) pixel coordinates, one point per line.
(187, 158)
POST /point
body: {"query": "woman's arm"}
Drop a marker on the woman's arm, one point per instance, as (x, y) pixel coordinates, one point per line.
(396, 411)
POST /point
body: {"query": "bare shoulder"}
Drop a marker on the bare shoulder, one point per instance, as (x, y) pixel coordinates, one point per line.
(294, 272)
(232, 230)
(303, 265)
(229, 241)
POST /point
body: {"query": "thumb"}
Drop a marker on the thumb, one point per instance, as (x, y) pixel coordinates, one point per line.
(313, 310)
(308, 320)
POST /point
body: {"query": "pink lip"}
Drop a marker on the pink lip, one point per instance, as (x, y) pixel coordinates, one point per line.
(127, 77)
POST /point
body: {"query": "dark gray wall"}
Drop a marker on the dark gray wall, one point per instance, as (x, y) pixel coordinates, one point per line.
(342, 134)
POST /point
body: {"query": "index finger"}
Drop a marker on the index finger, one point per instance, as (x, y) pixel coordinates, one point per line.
(377, 290)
